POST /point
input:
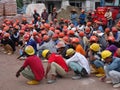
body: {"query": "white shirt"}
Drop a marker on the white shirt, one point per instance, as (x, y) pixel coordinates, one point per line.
(81, 60)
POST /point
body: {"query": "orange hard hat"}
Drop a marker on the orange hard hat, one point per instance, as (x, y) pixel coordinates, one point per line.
(88, 24)
(52, 28)
(43, 32)
(93, 39)
(47, 25)
(24, 19)
(6, 28)
(57, 31)
(87, 30)
(35, 33)
(72, 25)
(75, 40)
(61, 35)
(55, 20)
(55, 36)
(45, 37)
(21, 31)
(66, 39)
(111, 38)
(114, 29)
(16, 27)
(26, 37)
(71, 32)
(81, 34)
(65, 27)
(6, 35)
(107, 30)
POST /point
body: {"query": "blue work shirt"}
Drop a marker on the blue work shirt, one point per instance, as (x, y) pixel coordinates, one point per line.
(114, 65)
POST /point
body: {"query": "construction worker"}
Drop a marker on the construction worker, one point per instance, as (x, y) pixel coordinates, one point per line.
(95, 59)
(56, 65)
(8, 43)
(78, 63)
(76, 44)
(112, 68)
(34, 69)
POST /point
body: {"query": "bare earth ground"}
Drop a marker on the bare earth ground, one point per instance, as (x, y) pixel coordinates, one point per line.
(9, 65)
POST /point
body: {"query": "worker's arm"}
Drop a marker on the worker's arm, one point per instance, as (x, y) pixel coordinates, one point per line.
(20, 70)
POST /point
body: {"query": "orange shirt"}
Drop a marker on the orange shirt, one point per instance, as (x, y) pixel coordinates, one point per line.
(80, 50)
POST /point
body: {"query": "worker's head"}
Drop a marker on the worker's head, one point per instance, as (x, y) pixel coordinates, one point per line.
(106, 56)
(29, 50)
(46, 53)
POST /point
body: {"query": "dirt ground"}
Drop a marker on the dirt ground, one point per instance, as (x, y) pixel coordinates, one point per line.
(9, 65)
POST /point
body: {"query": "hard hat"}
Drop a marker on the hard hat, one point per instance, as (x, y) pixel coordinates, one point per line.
(57, 31)
(21, 31)
(6, 35)
(60, 44)
(81, 34)
(45, 52)
(70, 51)
(55, 20)
(114, 29)
(87, 30)
(107, 30)
(93, 39)
(75, 40)
(29, 50)
(55, 36)
(45, 37)
(52, 28)
(111, 38)
(71, 32)
(88, 23)
(35, 33)
(95, 47)
(47, 25)
(61, 35)
(26, 37)
(105, 54)
(66, 39)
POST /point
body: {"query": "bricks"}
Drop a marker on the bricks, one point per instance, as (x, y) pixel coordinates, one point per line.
(10, 9)
(1, 9)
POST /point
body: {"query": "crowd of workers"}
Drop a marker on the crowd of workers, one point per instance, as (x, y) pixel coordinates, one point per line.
(83, 46)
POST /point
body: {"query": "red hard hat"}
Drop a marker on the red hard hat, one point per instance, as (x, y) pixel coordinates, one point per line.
(61, 35)
(21, 31)
(35, 33)
(6, 35)
(75, 40)
(45, 37)
(93, 38)
(47, 25)
(26, 37)
(87, 30)
(107, 30)
(52, 28)
(71, 32)
(81, 34)
(111, 38)
(114, 29)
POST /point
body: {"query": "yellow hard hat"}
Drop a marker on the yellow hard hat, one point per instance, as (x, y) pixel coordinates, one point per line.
(44, 53)
(105, 54)
(29, 50)
(70, 52)
(95, 47)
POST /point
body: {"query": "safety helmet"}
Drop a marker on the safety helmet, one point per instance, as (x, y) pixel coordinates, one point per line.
(75, 40)
(105, 54)
(47, 25)
(21, 31)
(35, 33)
(29, 50)
(6, 35)
(95, 47)
(114, 29)
(107, 30)
(81, 34)
(52, 28)
(87, 30)
(71, 32)
(61, 35)
(45, 52)
(70, 51)
(26, 37)
(66, 39)
(111, 38)
(93, 38)
(45, 37)
(60, 44)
